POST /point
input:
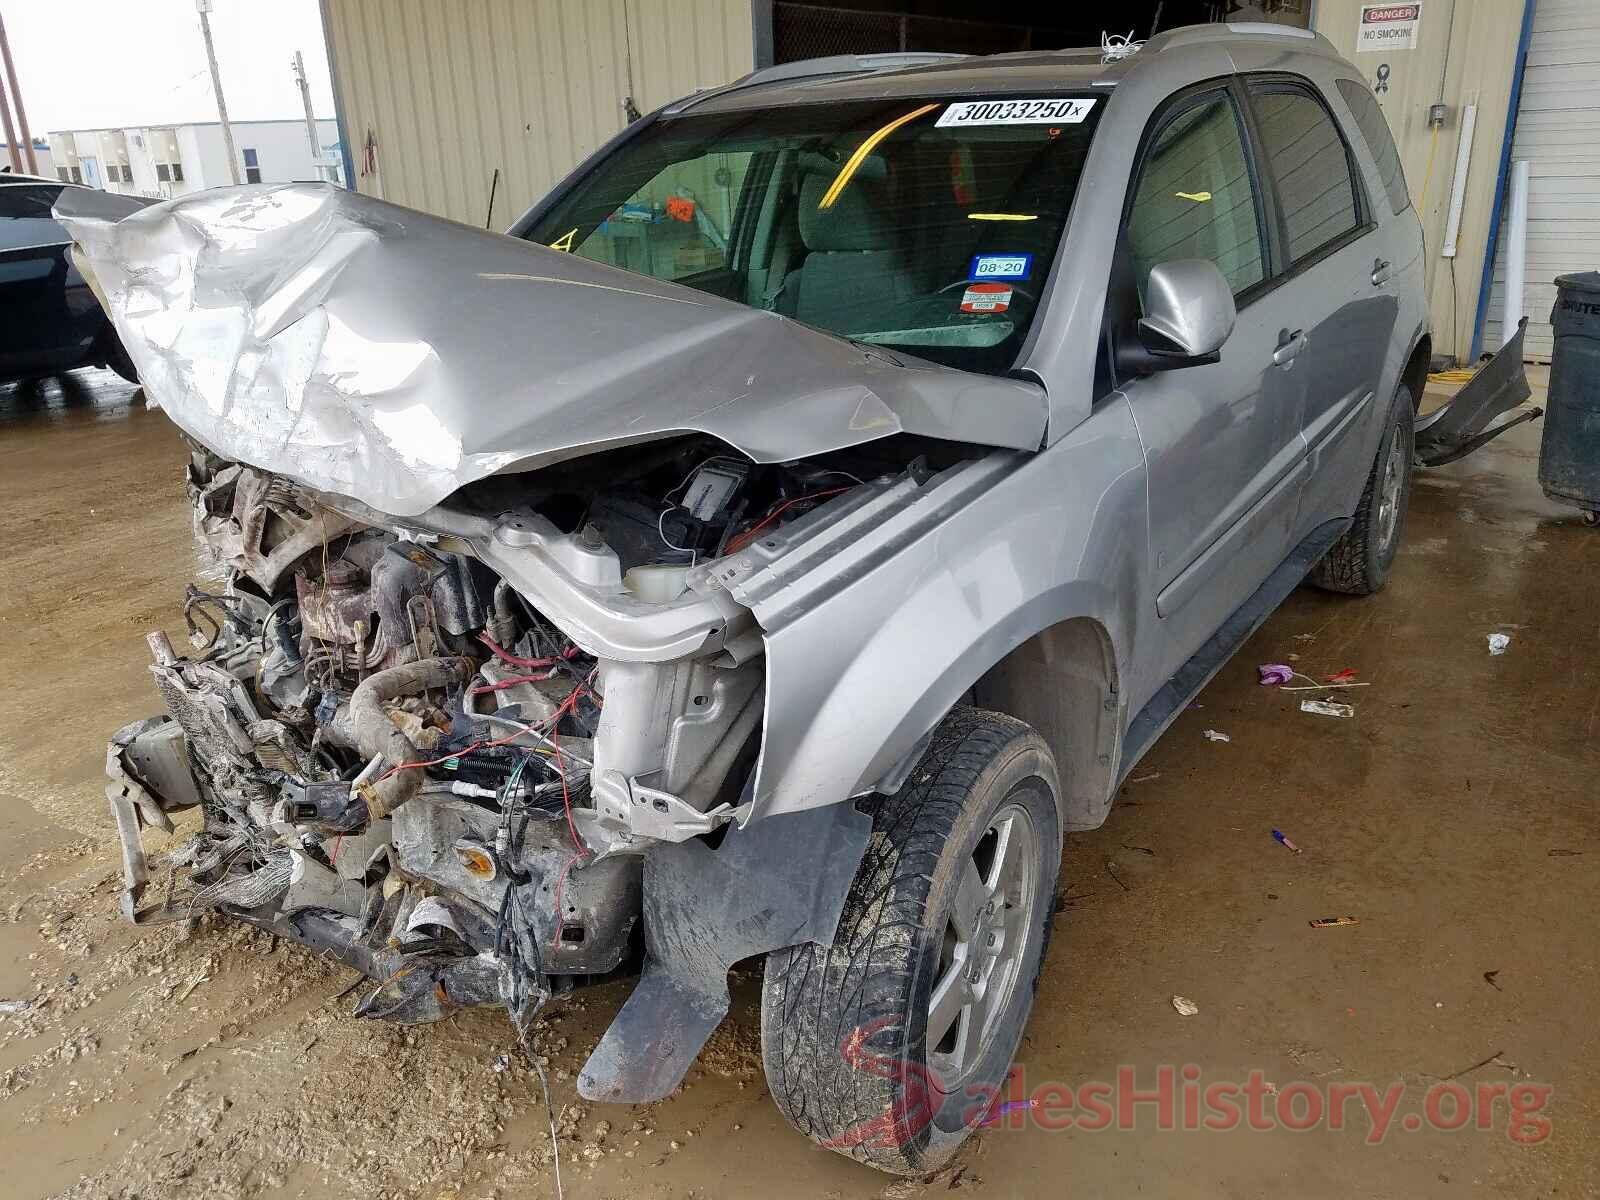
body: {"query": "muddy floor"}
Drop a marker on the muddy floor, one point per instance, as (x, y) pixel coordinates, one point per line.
(1454, 815)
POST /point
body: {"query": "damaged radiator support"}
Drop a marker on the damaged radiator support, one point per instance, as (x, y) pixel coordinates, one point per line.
(400, 759)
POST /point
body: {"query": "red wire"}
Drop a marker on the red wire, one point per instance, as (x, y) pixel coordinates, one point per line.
(561, 879)
(742, 540)
(530, 664)
(500, 685)
(567, 706)
(464, 751)
(580, 851)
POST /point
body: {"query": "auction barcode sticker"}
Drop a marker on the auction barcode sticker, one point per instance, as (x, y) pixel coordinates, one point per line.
(1015, 112)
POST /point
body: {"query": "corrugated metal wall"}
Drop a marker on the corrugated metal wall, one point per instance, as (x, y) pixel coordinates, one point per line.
(1558, 132)
(448, 90)
(1467, 48)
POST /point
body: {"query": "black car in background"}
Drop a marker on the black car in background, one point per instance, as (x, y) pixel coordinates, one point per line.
(50, 320)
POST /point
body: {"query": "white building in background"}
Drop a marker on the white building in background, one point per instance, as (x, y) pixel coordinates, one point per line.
(172, 160)
(41, 155)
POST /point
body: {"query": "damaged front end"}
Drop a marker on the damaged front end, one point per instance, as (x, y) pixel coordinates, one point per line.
(511, 541)
(489, 755)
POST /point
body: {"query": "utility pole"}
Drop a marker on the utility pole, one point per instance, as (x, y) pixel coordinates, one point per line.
(16, 95)
(203, 7)
(11, 130)
(311, 116)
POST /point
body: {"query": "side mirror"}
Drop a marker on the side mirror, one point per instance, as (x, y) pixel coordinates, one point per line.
(1189, 314)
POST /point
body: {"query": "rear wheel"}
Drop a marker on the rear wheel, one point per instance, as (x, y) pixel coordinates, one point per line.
(889, 1045)
(1359, 562)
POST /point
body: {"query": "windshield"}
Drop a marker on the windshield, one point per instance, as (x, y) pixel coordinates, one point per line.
(926, 225)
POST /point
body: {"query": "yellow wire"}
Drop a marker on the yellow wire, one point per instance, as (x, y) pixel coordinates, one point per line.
(1433, 146)
(866, 148)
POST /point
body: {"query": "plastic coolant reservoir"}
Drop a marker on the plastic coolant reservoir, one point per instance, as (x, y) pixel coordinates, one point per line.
(657, 583)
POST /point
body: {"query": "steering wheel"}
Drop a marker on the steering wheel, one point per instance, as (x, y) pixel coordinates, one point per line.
(961, 283)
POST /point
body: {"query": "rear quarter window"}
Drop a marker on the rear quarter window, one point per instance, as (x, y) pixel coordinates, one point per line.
(1374, 127)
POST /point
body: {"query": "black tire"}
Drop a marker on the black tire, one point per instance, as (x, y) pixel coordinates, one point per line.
(116, 356)
(844, 1029)
(1358, 563)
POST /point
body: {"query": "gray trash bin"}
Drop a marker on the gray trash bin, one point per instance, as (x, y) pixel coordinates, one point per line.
(1569, 452)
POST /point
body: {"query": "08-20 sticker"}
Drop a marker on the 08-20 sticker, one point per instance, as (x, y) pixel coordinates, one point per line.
(1000, 266)
(1015, 112)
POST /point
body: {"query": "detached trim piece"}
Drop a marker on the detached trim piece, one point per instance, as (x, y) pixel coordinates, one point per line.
(778, 883)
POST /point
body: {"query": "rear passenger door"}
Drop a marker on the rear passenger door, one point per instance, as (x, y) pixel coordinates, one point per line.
(1335, 297)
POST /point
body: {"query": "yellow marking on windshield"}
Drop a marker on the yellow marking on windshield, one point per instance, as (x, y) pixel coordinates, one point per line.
(1002, 216)
(564, 242)
(1197, 197)
(860, 156)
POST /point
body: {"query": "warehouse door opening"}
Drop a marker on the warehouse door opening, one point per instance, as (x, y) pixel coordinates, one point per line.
(818, 28)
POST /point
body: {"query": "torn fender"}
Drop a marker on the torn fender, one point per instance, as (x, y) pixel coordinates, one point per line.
(377, 353)
(875, 630)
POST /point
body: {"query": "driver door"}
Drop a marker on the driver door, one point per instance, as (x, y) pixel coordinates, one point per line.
(1224, 452)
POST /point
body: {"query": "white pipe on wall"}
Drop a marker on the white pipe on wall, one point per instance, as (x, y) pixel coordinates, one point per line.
(1458, 189)
(1516, 250)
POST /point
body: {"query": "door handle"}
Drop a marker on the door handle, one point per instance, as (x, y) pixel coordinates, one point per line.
(1289, 346)
(1381, 273)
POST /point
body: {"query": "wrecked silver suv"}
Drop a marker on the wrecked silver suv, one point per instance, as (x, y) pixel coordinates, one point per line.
(805, 517)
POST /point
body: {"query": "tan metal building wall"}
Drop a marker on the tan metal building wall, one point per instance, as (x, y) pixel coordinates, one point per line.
(445, 91)
(1466, 49)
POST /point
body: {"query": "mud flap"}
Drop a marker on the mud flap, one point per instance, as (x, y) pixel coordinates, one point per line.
(1457, 429)
(778, 882)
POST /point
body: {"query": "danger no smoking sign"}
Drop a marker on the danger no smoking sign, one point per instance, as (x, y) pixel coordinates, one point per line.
(1388, 27)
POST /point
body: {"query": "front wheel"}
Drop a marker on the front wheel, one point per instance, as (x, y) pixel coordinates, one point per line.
(890, 1045)
(1358, 563)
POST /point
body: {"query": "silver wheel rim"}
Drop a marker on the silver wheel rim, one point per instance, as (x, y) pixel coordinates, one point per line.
(985, 943)
(1394, 465)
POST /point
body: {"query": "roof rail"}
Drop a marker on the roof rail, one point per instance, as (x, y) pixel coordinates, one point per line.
(1194, 35)
(818, 68)
(847, 64)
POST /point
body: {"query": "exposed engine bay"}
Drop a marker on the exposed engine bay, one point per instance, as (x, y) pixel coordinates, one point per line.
(407, 742)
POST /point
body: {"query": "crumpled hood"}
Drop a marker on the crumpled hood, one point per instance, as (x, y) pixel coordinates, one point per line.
(374, 352)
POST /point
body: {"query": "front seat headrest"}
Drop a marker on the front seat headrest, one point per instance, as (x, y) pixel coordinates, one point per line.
(852, 222)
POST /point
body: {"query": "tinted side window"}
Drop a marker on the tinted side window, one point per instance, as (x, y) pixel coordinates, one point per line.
(20, 200)
(1195, 198)
(1375, 132)
(1310, 166)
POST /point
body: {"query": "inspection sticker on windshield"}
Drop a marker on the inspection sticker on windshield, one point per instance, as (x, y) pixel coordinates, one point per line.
(986, 298)
(1000, 266)
(1015, 112)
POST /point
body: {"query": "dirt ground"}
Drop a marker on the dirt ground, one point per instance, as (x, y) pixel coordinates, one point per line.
(1454, 815)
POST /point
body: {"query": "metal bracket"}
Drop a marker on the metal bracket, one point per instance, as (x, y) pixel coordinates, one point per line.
(634, 808)
(133, 807)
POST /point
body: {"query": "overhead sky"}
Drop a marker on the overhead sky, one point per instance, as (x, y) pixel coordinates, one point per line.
(91, 64)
